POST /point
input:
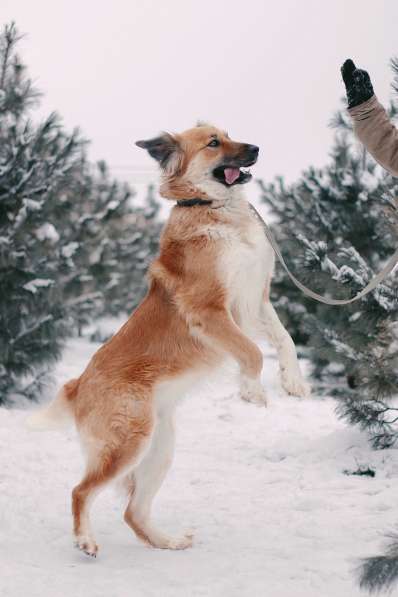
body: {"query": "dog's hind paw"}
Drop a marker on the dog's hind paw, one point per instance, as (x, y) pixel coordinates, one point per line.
(251, 390)
(87, 546)
(161, 541)
(180, 542)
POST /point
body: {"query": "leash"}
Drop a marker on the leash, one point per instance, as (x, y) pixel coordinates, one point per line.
(387, 269)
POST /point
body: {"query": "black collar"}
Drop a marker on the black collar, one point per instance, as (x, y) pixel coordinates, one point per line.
(192, 202)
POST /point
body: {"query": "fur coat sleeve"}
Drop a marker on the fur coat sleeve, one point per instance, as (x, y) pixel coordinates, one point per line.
(374, 129)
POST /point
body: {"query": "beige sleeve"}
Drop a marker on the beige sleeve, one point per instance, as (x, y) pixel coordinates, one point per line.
(374, 129)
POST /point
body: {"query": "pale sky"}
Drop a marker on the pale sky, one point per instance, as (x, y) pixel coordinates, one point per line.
(266, 71)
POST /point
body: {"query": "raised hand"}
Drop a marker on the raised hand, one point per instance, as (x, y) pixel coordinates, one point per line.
(357, 83)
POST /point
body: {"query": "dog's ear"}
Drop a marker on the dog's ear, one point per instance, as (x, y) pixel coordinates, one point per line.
(166, 150)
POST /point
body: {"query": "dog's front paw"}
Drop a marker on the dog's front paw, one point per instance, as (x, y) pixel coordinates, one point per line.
(251, 390)
(294, 384)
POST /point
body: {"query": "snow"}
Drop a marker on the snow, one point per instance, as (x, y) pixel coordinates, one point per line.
(33, 285)
(113, 205)
(355, 316)
(274, 514)
(69, 249)
(47, 231)
(31, 204)
(370, 181)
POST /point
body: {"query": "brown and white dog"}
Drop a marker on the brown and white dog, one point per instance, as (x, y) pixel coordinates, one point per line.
(208, 298)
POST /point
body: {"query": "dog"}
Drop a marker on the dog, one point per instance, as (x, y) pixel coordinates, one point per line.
(208, 298)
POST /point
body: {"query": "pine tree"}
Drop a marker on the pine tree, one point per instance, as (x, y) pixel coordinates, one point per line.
(73, 246)
(110, 244)
(337, 225)
(97, 207)
(381, 572)
(35, 162)
(137, 245)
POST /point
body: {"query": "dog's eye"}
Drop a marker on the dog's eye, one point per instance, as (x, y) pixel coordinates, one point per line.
(213, 143)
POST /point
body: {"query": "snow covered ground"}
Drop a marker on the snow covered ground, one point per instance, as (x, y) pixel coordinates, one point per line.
(264, 490)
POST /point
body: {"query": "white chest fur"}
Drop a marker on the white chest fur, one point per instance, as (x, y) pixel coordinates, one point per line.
(246, 263)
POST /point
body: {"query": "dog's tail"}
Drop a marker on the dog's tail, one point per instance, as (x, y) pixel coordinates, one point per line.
(58, 413)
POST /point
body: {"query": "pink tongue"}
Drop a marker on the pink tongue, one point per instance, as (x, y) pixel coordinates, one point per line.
(231, 174)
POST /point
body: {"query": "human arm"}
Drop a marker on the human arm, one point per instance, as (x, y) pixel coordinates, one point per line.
(370, 120)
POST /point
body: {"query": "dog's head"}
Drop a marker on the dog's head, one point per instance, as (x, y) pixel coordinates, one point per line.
(202, 161)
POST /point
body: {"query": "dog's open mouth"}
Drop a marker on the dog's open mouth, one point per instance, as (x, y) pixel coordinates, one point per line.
(230, 175)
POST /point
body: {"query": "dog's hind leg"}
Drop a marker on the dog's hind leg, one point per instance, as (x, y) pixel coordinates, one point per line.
(145, 483)
(124, 446)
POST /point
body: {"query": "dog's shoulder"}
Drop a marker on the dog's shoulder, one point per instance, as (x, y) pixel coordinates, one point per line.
(190, 244)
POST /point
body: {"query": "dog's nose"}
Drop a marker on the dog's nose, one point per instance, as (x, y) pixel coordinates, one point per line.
(253, 149)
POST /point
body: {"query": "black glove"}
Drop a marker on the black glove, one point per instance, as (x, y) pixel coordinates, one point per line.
(357, 84)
